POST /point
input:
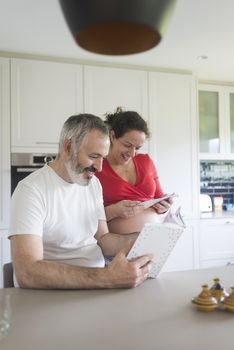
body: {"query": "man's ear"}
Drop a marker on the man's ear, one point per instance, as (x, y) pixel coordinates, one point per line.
(67, 147)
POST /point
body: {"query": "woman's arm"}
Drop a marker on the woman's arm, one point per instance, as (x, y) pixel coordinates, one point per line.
(123, 209)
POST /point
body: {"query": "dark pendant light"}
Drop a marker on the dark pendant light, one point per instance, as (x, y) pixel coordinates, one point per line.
(117, 27)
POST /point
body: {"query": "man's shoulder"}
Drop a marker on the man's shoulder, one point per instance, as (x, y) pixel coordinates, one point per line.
(36, 176)
(35, 180)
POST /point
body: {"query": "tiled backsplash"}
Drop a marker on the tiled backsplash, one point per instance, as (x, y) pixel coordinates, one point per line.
(217, 179)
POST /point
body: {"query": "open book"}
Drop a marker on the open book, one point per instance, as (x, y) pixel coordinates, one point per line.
(173, 216)
(158, 239)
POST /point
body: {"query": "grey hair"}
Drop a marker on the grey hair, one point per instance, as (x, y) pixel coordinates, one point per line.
(77, 127)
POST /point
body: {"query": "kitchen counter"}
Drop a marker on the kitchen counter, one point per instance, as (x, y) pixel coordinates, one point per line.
(218, 215)
(156, 315)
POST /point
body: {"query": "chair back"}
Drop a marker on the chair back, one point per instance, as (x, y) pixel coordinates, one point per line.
(8, 281)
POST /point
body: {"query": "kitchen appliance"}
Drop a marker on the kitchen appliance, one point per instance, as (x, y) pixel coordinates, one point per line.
(23, 164)
(205, 203)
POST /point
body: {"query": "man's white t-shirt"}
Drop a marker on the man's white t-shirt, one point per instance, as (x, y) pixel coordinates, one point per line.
(65, 215)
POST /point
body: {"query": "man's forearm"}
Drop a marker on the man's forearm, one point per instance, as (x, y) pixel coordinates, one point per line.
(46, 274)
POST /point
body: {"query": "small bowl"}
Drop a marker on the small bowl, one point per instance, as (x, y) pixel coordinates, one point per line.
(205, 301)
(228, 302)
(203, 307)
(228, 307)
(218, 291)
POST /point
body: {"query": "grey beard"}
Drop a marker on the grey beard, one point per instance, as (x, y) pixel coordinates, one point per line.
(76, 174)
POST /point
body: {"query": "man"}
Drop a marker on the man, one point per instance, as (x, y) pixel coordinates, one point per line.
(58, 227)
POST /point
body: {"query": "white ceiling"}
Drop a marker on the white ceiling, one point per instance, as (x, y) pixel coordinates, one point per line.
(198, 27)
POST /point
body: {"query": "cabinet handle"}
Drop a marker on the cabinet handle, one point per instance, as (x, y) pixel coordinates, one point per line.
(46, 143)
(228, 222)
(26, 170)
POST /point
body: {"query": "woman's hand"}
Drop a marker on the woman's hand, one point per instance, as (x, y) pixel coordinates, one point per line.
(163, 206)
(124, 209)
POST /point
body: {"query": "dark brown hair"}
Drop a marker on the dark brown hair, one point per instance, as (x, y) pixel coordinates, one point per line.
(124, 121)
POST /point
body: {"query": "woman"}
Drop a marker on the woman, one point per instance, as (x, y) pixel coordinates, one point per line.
(128, 178)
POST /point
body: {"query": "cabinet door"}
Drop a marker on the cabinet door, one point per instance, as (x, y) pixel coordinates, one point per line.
(216, 242)
(231, 111)
(43, 95)
(5, 254)
(173, 142)
(216, 122)
(209, 130)
(108, 88)
(4, 143)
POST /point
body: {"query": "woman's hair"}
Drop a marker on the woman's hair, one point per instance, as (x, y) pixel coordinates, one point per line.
(78, 126)
(124, 121)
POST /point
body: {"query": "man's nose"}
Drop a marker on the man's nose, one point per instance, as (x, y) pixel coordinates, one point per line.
(98, 164)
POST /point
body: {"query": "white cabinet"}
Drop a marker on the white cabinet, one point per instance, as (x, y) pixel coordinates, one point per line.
(4, 143)
(216, 242)
(216, 121)
(5, 255)
(185, 255)
(43, 95)
(107, 88)
(173, 142)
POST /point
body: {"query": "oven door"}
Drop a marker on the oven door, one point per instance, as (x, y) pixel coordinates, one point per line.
(18, 173)
(23, 164)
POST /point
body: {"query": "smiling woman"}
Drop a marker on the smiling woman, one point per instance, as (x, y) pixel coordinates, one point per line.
(129, 178)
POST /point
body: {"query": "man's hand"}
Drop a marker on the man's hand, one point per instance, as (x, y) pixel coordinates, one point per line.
(128, 274)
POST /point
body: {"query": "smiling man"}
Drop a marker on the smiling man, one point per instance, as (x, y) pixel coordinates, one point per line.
(58, 230)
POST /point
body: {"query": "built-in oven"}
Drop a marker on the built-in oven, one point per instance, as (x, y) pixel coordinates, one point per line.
(23, 164)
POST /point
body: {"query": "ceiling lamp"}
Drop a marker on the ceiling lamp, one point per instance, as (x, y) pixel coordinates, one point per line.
(117, 27)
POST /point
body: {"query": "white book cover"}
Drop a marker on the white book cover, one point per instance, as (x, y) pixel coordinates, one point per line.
(158, 239)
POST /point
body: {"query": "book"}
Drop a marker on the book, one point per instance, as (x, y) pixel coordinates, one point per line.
(173, 216)
(154, 201)
(158, 239)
